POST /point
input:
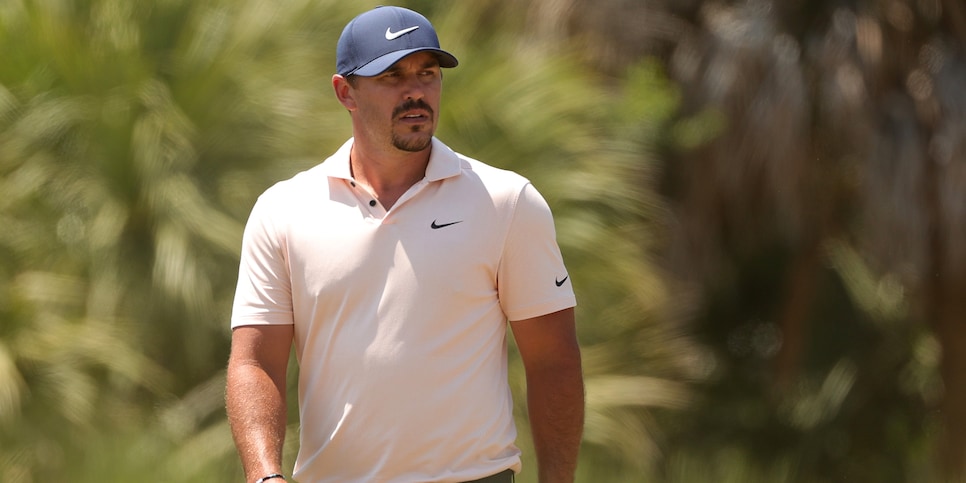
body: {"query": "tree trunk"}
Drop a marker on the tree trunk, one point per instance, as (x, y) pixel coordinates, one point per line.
(799, 291)
(945, 309)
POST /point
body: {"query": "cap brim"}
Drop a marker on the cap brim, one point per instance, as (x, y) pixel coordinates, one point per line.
(380, 64)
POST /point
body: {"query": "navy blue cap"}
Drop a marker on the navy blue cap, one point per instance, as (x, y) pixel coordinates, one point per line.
(377, 39)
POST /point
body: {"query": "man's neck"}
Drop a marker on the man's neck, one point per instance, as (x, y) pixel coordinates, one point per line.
(388, 174)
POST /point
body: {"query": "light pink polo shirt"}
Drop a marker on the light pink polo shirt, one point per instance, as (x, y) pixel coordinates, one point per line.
(400, 316)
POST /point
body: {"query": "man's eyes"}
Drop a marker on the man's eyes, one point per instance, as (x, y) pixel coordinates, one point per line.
(423, 73)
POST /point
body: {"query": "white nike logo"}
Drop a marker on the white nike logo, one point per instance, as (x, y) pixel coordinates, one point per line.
(390, 35)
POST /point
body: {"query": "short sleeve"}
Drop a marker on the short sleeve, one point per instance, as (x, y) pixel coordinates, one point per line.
(263, 295)
(532, 279)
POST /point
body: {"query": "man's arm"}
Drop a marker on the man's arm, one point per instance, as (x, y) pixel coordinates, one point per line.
(255, 396)
(555, 391)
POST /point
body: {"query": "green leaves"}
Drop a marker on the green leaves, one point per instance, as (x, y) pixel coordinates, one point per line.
(134, 138)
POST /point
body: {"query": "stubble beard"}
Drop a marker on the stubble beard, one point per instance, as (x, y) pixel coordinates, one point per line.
(418, 140)
(412, 144)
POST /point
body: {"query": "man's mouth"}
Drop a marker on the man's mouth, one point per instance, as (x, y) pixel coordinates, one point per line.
(414, 117)
(413, 111)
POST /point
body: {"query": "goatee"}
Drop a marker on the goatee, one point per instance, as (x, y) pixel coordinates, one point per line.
(412, 145)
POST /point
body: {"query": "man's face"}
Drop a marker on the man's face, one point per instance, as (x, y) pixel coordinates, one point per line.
(400, 105)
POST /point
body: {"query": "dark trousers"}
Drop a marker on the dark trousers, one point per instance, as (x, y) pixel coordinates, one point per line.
(505, 476)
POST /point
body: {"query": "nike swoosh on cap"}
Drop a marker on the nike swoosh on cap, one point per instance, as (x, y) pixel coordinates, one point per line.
(390, 35)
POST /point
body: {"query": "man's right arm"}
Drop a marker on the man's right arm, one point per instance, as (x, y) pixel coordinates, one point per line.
(255, 396)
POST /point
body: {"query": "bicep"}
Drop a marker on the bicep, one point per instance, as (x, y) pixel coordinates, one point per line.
(549, 339)
(262, 346)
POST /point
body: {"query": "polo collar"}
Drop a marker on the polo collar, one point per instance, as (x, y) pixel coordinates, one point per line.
(443, 162)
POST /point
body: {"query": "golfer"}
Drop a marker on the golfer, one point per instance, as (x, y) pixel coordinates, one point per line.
(396, 267)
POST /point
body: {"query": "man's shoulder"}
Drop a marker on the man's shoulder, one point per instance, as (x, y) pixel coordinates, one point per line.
(491, 176)
(313, 180)
(305, 183)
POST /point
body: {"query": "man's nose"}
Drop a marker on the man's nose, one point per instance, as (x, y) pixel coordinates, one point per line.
(415, 89)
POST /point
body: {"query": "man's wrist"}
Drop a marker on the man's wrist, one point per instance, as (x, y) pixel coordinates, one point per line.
(270, 477)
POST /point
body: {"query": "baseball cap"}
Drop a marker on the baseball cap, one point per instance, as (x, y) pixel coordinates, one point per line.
(377, 39)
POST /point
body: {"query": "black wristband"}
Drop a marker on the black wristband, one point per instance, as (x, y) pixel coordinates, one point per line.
(269, 477)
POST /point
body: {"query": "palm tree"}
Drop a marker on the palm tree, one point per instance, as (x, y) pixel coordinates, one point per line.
(136, 137)
(819, 228)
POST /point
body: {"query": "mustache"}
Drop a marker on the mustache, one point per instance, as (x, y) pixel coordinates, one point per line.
(410, 105)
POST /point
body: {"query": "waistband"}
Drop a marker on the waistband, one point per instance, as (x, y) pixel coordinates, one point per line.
(505, 476)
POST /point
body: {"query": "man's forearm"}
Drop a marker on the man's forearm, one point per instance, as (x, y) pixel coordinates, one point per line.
(555, 400)
(257, 414)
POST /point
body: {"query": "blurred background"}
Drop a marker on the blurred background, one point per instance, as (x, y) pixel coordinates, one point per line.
(762, 204)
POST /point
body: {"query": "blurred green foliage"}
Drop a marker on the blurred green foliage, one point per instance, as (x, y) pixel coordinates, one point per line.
(135, 137)
(730, 181)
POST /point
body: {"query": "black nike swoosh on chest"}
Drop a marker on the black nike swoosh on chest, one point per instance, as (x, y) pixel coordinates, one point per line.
(437, 226)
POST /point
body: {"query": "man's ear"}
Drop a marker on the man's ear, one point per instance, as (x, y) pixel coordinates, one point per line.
(344, 92)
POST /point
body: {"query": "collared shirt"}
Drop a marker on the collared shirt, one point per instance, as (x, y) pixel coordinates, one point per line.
(400, 316)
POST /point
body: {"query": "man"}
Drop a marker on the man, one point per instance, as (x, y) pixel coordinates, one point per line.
(394, 267)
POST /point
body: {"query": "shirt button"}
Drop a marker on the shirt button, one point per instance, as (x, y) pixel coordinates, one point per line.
(353, 183)
(372, 203)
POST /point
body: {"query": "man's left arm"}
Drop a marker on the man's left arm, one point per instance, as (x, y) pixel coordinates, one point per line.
(555, 391)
